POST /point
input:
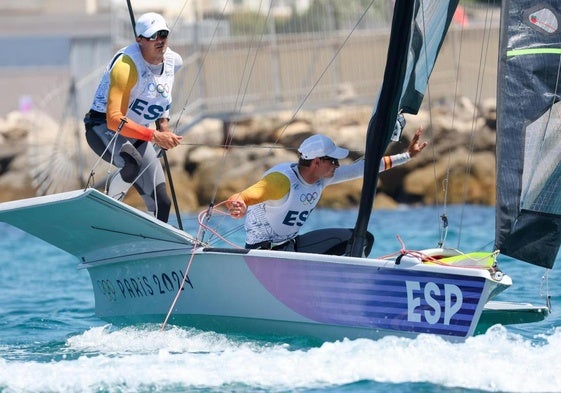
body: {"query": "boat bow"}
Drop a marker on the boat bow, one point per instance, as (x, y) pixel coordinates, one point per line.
(92, 226)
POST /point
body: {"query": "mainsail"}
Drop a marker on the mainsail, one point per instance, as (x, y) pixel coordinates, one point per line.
(528, 214)
(418, 31)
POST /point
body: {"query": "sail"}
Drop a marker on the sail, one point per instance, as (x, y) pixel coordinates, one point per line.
(528, 214)
(418, 31)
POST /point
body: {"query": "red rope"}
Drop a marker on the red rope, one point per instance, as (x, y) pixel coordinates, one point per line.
(424, 258)
(201, 220)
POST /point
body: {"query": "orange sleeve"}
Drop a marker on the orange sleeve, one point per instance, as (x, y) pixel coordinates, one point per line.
(273, 186)
(123, 78)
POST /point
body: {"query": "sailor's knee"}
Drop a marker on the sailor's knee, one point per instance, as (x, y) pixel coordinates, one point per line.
(133, 162)
(129, 172)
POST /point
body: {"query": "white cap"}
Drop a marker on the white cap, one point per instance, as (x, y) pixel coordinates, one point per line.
(321, 146)
(150, 23)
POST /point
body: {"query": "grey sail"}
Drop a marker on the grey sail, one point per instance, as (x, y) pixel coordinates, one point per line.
(528, 209)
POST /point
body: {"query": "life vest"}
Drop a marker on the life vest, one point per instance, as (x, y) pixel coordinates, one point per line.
(150, 97)
(278, 221)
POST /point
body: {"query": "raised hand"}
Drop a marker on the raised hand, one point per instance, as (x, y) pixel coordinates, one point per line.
(415, 147)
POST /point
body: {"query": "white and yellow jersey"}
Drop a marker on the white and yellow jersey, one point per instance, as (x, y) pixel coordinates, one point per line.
(280, 203)
(137, 90)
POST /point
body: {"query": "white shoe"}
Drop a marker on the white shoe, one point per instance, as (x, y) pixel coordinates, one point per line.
(118, 188)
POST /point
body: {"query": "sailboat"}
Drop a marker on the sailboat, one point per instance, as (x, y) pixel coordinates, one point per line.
(143, 270)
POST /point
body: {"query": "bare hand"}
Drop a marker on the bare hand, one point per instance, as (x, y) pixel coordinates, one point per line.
(236, 206)
(415, 147)
(166, 140)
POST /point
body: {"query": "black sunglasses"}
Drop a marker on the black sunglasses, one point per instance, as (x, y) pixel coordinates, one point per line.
(334, 161)
(162, 34)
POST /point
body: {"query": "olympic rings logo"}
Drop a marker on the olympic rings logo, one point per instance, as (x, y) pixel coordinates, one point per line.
(163, 90)
(308, 198)
(107, 289)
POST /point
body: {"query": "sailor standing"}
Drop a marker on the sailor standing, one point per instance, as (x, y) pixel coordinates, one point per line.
(135, 91)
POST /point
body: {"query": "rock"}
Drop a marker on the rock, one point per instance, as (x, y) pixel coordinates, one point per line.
(353, 137)
(488, 111)
(217, 178)
(293, 133)
(452, 179)
(208, 132)
(204, 171)
(342, 195)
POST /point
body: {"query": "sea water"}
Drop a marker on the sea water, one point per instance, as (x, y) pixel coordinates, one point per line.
(51, 341)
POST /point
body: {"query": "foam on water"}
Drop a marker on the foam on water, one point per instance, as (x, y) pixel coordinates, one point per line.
(143, 358)
(50, 340)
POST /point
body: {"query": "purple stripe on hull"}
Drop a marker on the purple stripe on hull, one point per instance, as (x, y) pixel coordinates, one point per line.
(372, 297)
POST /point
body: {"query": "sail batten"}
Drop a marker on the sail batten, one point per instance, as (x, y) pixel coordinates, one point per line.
(528, 213)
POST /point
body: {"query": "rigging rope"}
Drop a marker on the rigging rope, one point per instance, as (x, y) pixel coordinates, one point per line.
(231, 132)
(326, 68)
(162, 151)
(443, 217)
(445, 182)
(112, 144)
(200, 67)
(545, 282)
(243, 92)
(479, 91)
(477, 260)
(183, 281)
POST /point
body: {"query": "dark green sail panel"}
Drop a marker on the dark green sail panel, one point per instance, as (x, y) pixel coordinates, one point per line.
(528, 211)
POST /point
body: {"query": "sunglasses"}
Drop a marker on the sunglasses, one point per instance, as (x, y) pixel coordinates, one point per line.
(334, 161)
(162, 34)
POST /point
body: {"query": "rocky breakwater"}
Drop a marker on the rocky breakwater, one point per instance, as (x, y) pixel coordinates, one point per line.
(458, 164)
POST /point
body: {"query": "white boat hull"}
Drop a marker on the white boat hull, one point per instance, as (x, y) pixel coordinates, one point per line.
(137, 263)
(282, 293)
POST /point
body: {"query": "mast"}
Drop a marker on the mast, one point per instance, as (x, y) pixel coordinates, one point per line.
(382, 122)
(418, 31)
